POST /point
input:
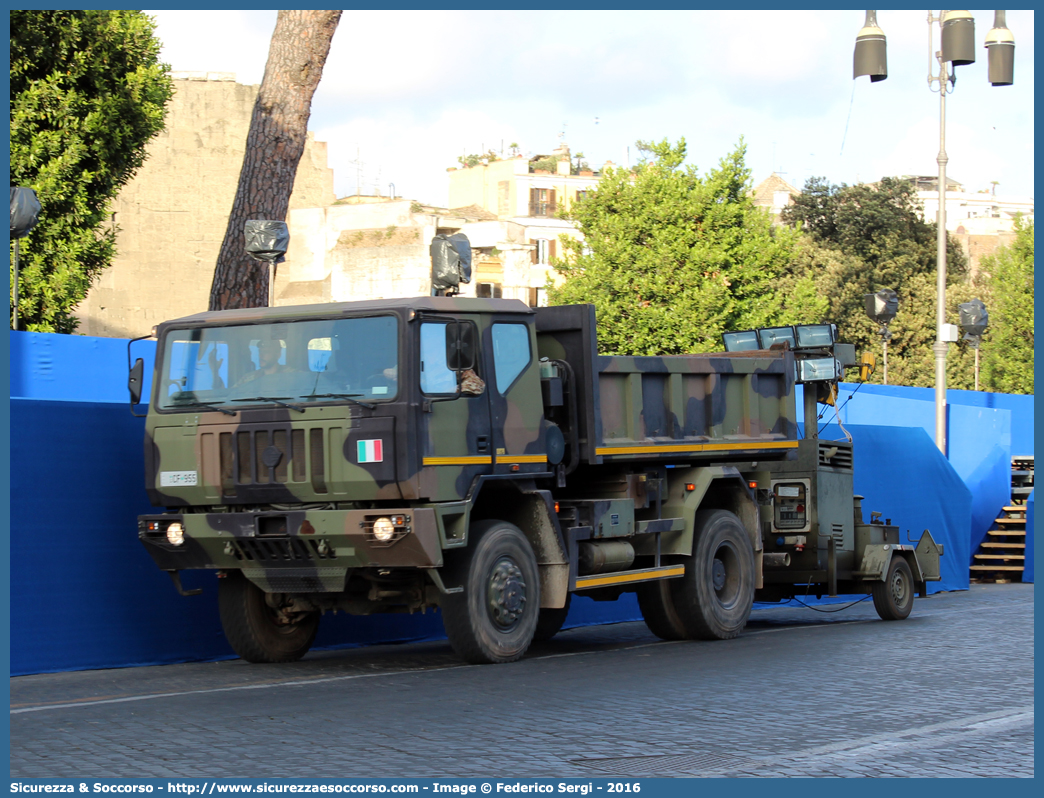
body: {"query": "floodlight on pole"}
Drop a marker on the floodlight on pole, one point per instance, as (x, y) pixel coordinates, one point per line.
(267, 241)
(870, 57)
(974, 321)
(1000, 45)
(882, 307)
(958, 38)
(957, 49)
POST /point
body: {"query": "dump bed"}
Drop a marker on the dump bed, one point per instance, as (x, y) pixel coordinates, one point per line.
(707, 407)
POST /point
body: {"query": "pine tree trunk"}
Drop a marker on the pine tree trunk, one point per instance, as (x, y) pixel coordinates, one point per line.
(275, 143)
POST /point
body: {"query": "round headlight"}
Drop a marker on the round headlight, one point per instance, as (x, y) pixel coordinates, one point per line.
(176, 534)
(383, 529)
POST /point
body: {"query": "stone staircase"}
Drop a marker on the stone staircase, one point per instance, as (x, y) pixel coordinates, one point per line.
(1002, 556)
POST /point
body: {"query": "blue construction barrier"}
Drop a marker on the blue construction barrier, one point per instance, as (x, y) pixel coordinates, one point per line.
(85, 594)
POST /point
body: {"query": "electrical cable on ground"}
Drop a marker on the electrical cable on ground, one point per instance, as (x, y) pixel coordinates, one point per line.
(816, 609)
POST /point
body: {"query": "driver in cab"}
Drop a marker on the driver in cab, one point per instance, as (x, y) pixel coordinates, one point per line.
(268, 353)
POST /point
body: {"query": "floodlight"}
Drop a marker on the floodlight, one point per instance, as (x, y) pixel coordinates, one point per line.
(776, 335)
(958, 38)
(266, 239)
(973, 316)
(744, 341)
(1000, 45)
(818, 369)
(870, 56)
(815, 335)
(882, 306)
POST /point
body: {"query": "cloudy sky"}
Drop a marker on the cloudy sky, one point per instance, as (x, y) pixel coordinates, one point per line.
(404, 93)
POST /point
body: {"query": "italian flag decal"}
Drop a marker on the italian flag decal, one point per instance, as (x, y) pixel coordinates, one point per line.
(371, 451)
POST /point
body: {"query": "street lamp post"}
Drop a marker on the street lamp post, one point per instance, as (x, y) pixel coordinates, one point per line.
(957, 48)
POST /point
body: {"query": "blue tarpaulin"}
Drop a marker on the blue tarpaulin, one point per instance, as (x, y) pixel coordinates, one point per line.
(900, 473)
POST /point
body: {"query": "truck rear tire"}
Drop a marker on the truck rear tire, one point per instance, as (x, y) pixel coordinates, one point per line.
(550, 621)
(714, 598)
(495, 618)
(657, 606)
(893, 598)
(255, 630)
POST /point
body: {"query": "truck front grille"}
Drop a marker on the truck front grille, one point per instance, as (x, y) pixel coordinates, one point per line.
(246, 454)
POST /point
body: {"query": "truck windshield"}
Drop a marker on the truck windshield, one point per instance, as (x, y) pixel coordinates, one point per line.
(328, 360)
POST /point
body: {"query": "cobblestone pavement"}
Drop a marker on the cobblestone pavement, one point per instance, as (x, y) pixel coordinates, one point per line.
(948, 692)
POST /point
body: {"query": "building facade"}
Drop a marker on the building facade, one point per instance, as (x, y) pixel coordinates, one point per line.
(529, 192)
(381, 248)
(173, 214)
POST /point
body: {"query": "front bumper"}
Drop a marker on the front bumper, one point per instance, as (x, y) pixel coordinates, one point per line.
(295, 550)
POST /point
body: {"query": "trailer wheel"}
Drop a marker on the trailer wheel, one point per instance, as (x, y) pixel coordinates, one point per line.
(657, 606)
(714, 598)
(494, 619)
(550, 620)
(893, 598)
(257, 631)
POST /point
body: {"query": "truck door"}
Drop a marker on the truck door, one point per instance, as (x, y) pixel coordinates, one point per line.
(457, 444)
(516, 403)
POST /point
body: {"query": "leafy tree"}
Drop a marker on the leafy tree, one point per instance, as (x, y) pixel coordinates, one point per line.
(474, 159)
(671, 259)
(274, 146)
(865, 238)
(1007, 351)
(87, 94)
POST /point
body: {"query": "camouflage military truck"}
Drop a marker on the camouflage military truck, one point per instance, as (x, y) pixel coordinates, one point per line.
(479, 456)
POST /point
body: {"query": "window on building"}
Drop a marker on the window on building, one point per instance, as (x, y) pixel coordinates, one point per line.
(489, 290)
(541, 202)
(543, 250)
(536, 297)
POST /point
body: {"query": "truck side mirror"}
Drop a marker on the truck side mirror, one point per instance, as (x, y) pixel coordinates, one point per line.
(460, 346)
(134, 380)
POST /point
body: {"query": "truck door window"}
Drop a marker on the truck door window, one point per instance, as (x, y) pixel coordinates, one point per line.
(511, 353)
(436, 376)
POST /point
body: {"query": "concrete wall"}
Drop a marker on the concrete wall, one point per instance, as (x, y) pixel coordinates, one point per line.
(173, 214)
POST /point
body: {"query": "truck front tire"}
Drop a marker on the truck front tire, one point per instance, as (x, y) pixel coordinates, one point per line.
(495, 618)
(893, 598)
(714, 598)
(255, 630)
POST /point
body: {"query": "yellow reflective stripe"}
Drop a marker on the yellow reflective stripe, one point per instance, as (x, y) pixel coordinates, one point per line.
(521, 458)
(616, 579)
(472, 460)
(693, 448)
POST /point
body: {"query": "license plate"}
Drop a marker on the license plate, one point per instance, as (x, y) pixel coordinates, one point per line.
(174, 479)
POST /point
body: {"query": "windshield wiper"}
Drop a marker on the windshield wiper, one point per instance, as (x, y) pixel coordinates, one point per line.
(349, 396)
(277, 399)
(203, 405)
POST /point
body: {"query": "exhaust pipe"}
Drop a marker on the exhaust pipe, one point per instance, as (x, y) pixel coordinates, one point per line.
(776, 559)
